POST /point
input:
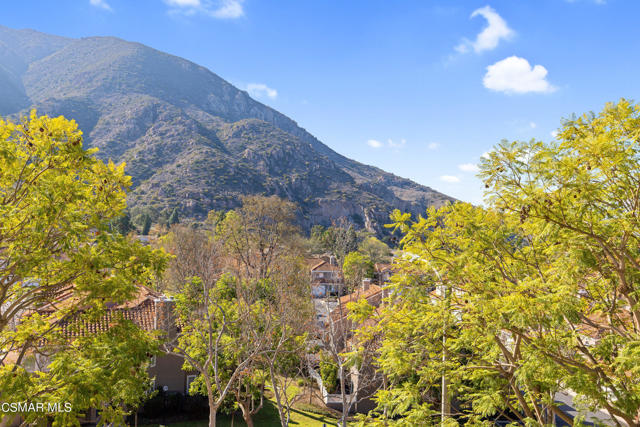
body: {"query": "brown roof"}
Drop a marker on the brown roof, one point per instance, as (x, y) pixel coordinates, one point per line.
(323, 265)
(141, 310)
(373, 295)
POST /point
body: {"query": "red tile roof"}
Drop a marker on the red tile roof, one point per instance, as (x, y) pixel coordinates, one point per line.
(141, 310)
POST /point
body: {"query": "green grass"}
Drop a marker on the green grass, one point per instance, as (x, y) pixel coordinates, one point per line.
(267, 417)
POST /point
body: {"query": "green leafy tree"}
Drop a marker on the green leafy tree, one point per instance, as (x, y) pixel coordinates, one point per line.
(173, 218)
(339, 239)
(57, 202)
(329, 374)
(533, 296)
(356, 267)
(146, 224)
(123, 224)
(244, 325)
(375, 249)
(220, 338)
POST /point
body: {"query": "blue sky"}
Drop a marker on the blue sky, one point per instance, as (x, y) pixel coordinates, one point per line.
(419, 88)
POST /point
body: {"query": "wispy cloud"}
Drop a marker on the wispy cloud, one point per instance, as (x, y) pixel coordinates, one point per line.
(451, 179)
(374, 143)
(398, 144)
(433, 146)
(490, 36)
(260, 90)
(102, 4)
(601, 2)
(221, 9)
(468, 167)
(514, 75)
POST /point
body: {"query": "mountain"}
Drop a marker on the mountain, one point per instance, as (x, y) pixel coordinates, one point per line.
(190, 139)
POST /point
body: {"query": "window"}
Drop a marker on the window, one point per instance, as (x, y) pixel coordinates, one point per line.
(190, 379)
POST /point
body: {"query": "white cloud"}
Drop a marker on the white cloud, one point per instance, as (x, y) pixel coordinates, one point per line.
(490, 36)
(102, 4)
(593, 1)
(433, 146)
(515, 75)
(450, 179)
(468, 167)
(183, 3)
(374, 143)
(554, 134)
(533, 125)
(259, 90)
(394, 144)
(222, 9)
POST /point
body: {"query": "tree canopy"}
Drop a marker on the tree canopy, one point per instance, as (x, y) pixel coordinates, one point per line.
(530, 298)
(57, 204)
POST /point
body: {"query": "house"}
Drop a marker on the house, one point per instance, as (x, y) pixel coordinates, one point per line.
(326, 277)
(148, 309)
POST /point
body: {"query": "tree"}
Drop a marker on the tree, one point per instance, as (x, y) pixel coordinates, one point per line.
(173, 218)
(339, 239)
(256, 234)
(375, 249)
(244, 325)
(195, 254)
(534, 295)
(123, 224)
(356, 267)
(342, 239)
(219, 338)
(57, 202)
(348, 354)
(146, 224)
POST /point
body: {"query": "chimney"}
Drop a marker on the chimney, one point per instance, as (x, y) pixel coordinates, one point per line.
(332, 260)
(365, 284)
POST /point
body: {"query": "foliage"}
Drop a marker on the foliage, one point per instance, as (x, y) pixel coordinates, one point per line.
(536, 293)
(57, 202)
(356, 267)
(329, 374)
(123, 224)
(173, 218)
(243, 298)
(375, 249)
(339, 239)
(146, 225)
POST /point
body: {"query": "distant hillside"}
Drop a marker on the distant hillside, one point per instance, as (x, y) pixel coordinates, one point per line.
(190, 139)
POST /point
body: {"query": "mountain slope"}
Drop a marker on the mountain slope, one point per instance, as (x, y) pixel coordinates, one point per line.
(190, 139)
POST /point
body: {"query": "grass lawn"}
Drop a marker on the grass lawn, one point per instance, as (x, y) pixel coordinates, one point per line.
(267, 417)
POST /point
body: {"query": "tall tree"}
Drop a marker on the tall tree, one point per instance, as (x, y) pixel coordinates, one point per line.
(57, 202)
(146, 225)
(243, 325)
(257, 233)
(531, 298)
(375, 249)
(173, 218)
(356, 267)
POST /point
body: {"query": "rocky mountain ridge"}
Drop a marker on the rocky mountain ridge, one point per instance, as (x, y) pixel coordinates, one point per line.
(192, 140)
